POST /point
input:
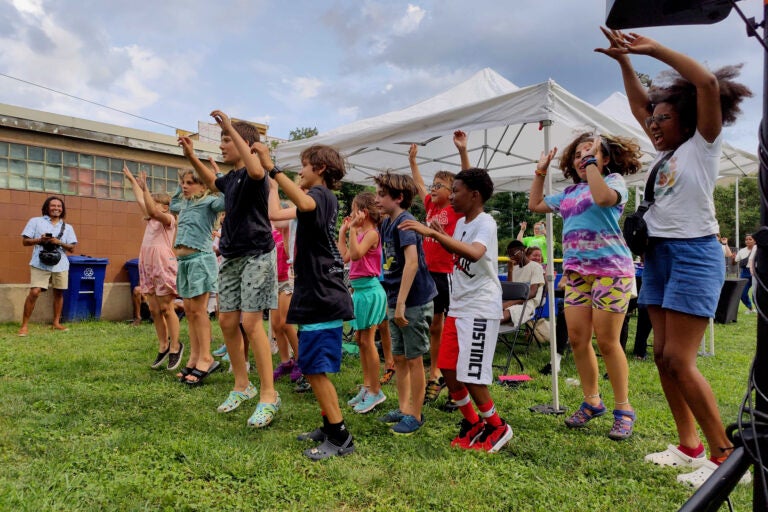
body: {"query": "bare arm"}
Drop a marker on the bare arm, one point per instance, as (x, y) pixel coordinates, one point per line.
(302, 200)
(410, 267)
(460, 141)
(602, 194)
(521, 233)
(536, 197)
(341, 243)
(137, 192)
(206, 175)
(277, 214)
(358, 249)
(151, 206)
(417, 178)
(471, 252)
(252, 162)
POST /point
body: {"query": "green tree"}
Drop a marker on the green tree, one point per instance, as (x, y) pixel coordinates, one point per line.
(749, 209)
(303, 132)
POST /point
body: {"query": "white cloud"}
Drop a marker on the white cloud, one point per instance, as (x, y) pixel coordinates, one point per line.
(304, 87)
(410, 21)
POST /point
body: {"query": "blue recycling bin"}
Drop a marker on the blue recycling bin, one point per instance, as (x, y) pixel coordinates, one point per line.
(84, 296)
(132, 266)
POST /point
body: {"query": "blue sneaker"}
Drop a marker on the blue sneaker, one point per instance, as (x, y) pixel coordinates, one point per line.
(393, 416)
(408, 425)
(221, 351)
(358, 397)
(369, 401)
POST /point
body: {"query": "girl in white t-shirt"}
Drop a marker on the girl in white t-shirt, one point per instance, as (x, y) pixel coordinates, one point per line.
(683, 113)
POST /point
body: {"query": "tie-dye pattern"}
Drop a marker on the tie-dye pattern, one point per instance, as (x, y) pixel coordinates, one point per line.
(592, 239)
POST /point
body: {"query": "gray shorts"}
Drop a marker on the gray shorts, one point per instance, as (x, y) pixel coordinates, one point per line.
(248, 283)
(413, 339)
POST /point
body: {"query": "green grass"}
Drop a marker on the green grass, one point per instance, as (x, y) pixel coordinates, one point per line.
(86, 425)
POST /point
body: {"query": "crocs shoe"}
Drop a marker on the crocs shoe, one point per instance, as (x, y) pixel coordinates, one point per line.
(672, 456)
(468, 433)
(358, 397)
(623, 425)
(698, 477)
(283, 369)
(316, 435)
(264, 413)
(330, 449)
(370, 401)
(236, 398)
(585, 414)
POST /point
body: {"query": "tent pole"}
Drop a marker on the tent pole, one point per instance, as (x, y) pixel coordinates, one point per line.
(554, 407)
(736, 207)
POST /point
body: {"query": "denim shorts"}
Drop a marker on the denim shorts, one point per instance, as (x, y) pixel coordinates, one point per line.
(684, 275)
(412, 340)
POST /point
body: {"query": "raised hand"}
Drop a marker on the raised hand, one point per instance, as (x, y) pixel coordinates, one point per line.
(460, 140)
(357, 219)
(187, 146)
(142, 180)
(523, 225)
(545, 159)
(622, 44)
(262, 151)
(412, 152)
(214, 165)
(222, 119)
(128, 174)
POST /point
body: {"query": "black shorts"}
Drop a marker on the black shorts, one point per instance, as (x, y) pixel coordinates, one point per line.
(443, 298)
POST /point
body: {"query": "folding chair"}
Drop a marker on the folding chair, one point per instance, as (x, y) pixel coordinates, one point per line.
(538, 313)
(509, 333)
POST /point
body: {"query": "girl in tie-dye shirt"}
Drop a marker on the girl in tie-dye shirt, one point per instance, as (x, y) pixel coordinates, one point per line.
(597, 265)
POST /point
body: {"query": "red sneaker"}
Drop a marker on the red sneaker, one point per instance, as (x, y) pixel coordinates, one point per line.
(493, 438)
(467, 434)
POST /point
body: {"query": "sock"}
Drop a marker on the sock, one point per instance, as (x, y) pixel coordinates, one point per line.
(325, 422)
(337, 432)
(462, 401)
(489, 414)
(692, 452)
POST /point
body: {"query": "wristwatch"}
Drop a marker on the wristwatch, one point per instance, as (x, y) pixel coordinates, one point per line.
(274, 172)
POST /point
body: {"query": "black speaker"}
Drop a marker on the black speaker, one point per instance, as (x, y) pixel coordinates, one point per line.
(621, 14)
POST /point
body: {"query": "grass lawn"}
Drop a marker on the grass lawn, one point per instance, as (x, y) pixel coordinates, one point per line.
(87, 425)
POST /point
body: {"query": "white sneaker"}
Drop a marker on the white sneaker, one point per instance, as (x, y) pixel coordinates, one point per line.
(698, 477)
(674, 457)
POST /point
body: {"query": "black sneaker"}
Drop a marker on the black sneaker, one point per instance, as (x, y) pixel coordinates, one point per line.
(449, 405)
(161, 357)
(302, 386)
(174, 358)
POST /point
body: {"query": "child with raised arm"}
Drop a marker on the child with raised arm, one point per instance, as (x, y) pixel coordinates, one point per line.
(439, 261)
(472, 325)
(410, 290)
(597, 265)
(157, 269)
(197, 271)
(370, 301)
(321, 301)
(248, 272)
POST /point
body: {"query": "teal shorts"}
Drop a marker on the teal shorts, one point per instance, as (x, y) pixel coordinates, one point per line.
(370, 303)
(197, 274)
(248, 283)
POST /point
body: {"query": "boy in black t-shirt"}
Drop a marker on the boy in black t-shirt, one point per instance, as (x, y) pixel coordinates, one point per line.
(321, 301)
(248, 271)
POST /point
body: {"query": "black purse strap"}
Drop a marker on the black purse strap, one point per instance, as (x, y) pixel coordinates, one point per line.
(648, 196)
(63, 225)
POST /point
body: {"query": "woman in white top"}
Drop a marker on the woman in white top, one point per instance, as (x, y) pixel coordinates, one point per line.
(745, 272)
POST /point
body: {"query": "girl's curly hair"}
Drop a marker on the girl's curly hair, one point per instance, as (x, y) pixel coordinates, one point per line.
(624, 154)
(681, 94)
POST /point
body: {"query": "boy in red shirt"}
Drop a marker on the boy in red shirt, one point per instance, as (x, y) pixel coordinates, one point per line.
(439, 261)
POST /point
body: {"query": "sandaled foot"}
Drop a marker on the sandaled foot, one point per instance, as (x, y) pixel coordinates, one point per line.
(623, 425)
(264, 413)
(585, 414)
(434, 387)
(22, 332)
(59, 327)
(236, 398)
(329, 449)
(197, 376)
(182, 375)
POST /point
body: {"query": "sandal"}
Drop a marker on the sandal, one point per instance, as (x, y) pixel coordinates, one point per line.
(434, 387)
(585, 413)
(200, 375)
(236, 398)
(387, 377)
(182, 375)
(623, 424)
(329, 449)
(264, 413)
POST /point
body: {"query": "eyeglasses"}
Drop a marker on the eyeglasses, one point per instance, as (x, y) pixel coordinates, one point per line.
(437, 186)
(656, 119)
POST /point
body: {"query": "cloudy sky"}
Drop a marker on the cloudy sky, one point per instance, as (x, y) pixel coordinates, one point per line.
(315, 63)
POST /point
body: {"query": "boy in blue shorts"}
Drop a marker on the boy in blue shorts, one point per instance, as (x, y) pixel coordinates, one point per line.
(472, 324)
(321, 301)
(410, 290)
(248, 270)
